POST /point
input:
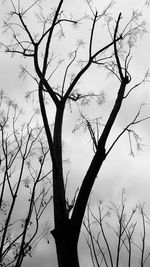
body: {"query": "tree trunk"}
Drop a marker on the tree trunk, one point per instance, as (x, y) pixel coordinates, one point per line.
(67, 253)
(66, 246)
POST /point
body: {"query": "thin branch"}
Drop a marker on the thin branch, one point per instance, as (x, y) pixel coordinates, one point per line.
(133, 122)
(66, 71)
(92, 33)
(115, 48)
(138, 84)
(26, 28)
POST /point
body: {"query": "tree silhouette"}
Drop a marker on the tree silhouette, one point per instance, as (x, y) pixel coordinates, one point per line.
(41, 46)
(20, 147)
(128, 231)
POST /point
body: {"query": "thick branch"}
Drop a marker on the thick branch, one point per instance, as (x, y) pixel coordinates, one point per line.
(45, 122)
(60, 211)
(96, 163)
(113, 114)
(85, 190)
(42, 78)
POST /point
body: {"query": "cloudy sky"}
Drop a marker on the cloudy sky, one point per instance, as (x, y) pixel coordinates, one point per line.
(120, 170)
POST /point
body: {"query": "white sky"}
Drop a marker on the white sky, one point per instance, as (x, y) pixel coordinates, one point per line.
(120, 170)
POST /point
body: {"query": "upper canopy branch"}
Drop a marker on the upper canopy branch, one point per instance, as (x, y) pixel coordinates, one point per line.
(26, 29)
(92, 33)
(88, 64)
(56, 23)
(49, 38)
(115, 48)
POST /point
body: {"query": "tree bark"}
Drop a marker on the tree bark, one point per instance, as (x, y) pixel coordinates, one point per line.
(66, 245)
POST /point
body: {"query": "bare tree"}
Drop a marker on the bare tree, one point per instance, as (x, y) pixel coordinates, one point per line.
(116, 236)
(58, 81)
(24, 154)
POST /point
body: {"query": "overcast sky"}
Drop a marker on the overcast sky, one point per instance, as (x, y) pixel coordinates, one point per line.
(120, 170)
